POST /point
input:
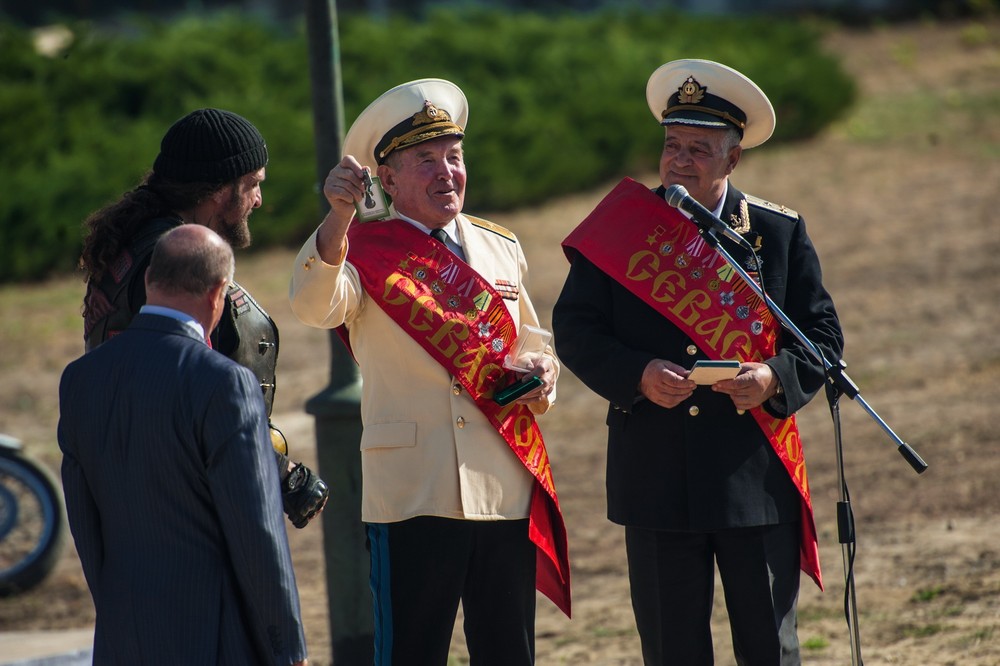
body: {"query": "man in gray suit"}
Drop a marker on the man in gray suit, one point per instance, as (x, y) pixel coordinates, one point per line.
(187, 563)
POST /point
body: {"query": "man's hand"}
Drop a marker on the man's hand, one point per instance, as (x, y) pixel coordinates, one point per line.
(666, 384)
(544, 369)
(344, 186)
(755, 383)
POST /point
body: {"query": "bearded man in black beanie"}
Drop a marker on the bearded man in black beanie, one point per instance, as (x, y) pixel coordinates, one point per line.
(209, 171)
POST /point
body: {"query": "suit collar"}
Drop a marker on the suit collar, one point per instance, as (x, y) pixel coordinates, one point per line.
(164, 324)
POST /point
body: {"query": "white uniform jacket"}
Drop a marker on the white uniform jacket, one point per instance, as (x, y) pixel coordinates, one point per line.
(426, 449)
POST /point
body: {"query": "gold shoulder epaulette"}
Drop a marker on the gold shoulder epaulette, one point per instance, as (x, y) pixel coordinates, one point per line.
(490, 226)
(777, 208)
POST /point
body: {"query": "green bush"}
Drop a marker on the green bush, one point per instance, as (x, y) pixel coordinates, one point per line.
(557, 104)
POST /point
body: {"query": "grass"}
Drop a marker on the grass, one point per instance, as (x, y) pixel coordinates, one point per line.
(926, 594)
(947, 108)
(30, 313)
(815, 643)
(922, 631)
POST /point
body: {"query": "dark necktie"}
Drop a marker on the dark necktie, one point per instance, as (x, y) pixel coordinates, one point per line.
(440, 235)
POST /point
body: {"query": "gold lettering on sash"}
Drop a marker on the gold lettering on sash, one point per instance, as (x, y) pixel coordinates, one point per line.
(483, 378)
(471, 359)
(713, 328)
(426, 306)
(737, 344)
(690, 308)
(522, 431)
(787, 436)
(793, 445)
(527, 436)
(537, 454)
(489, 374)
(666, 285)
(448, 338)
(638, 264)
(400, 283)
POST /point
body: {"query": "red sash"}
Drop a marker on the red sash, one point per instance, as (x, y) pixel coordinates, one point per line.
(659, 255)
(458, 318)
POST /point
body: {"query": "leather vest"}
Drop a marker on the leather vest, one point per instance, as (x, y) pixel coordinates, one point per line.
(246, 333)
(112, 301)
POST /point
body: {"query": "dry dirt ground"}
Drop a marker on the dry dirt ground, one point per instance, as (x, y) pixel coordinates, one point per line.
(901, 200)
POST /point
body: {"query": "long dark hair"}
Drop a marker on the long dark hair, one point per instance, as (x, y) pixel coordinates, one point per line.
(110, 229)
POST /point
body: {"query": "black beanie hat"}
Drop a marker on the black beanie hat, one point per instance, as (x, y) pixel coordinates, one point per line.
(210, 146)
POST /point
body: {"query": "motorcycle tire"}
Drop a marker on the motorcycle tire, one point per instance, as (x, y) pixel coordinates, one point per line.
(32, 523)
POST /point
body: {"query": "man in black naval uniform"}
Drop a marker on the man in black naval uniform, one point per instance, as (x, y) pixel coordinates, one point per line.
(691, 474)
(209, 171)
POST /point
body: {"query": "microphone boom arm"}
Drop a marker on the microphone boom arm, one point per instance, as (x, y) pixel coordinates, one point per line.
(838, 383)
(677, 196)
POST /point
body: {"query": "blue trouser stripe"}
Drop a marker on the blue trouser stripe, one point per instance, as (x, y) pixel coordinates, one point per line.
(378, 538)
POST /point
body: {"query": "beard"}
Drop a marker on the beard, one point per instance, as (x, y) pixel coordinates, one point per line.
(233, 223)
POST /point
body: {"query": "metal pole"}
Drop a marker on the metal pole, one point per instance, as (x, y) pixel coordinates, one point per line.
(337, 408)
(845, 529)
(837, 383)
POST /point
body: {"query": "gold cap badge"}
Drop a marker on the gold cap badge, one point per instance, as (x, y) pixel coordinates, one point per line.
(691, 92)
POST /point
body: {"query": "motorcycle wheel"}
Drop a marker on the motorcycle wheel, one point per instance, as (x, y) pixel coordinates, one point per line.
(32, 524)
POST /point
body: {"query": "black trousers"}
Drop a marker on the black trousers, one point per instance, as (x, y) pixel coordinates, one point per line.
(423, 567)
(672, 580)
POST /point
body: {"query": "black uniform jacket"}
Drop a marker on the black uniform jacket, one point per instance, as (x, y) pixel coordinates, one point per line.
(700, 466)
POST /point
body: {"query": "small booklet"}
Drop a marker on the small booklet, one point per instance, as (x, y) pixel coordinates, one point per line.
(709, 372)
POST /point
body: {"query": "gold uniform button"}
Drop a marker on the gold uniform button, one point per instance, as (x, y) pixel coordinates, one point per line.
(692, 350)
(460, 422)
(456, 389)
(693, 410)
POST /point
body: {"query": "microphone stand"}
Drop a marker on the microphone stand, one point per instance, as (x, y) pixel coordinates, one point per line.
(838, 383)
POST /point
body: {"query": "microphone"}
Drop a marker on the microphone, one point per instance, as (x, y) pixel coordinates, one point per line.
(678, 197)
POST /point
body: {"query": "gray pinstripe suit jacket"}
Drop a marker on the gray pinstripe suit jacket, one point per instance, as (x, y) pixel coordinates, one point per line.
(173, 502)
